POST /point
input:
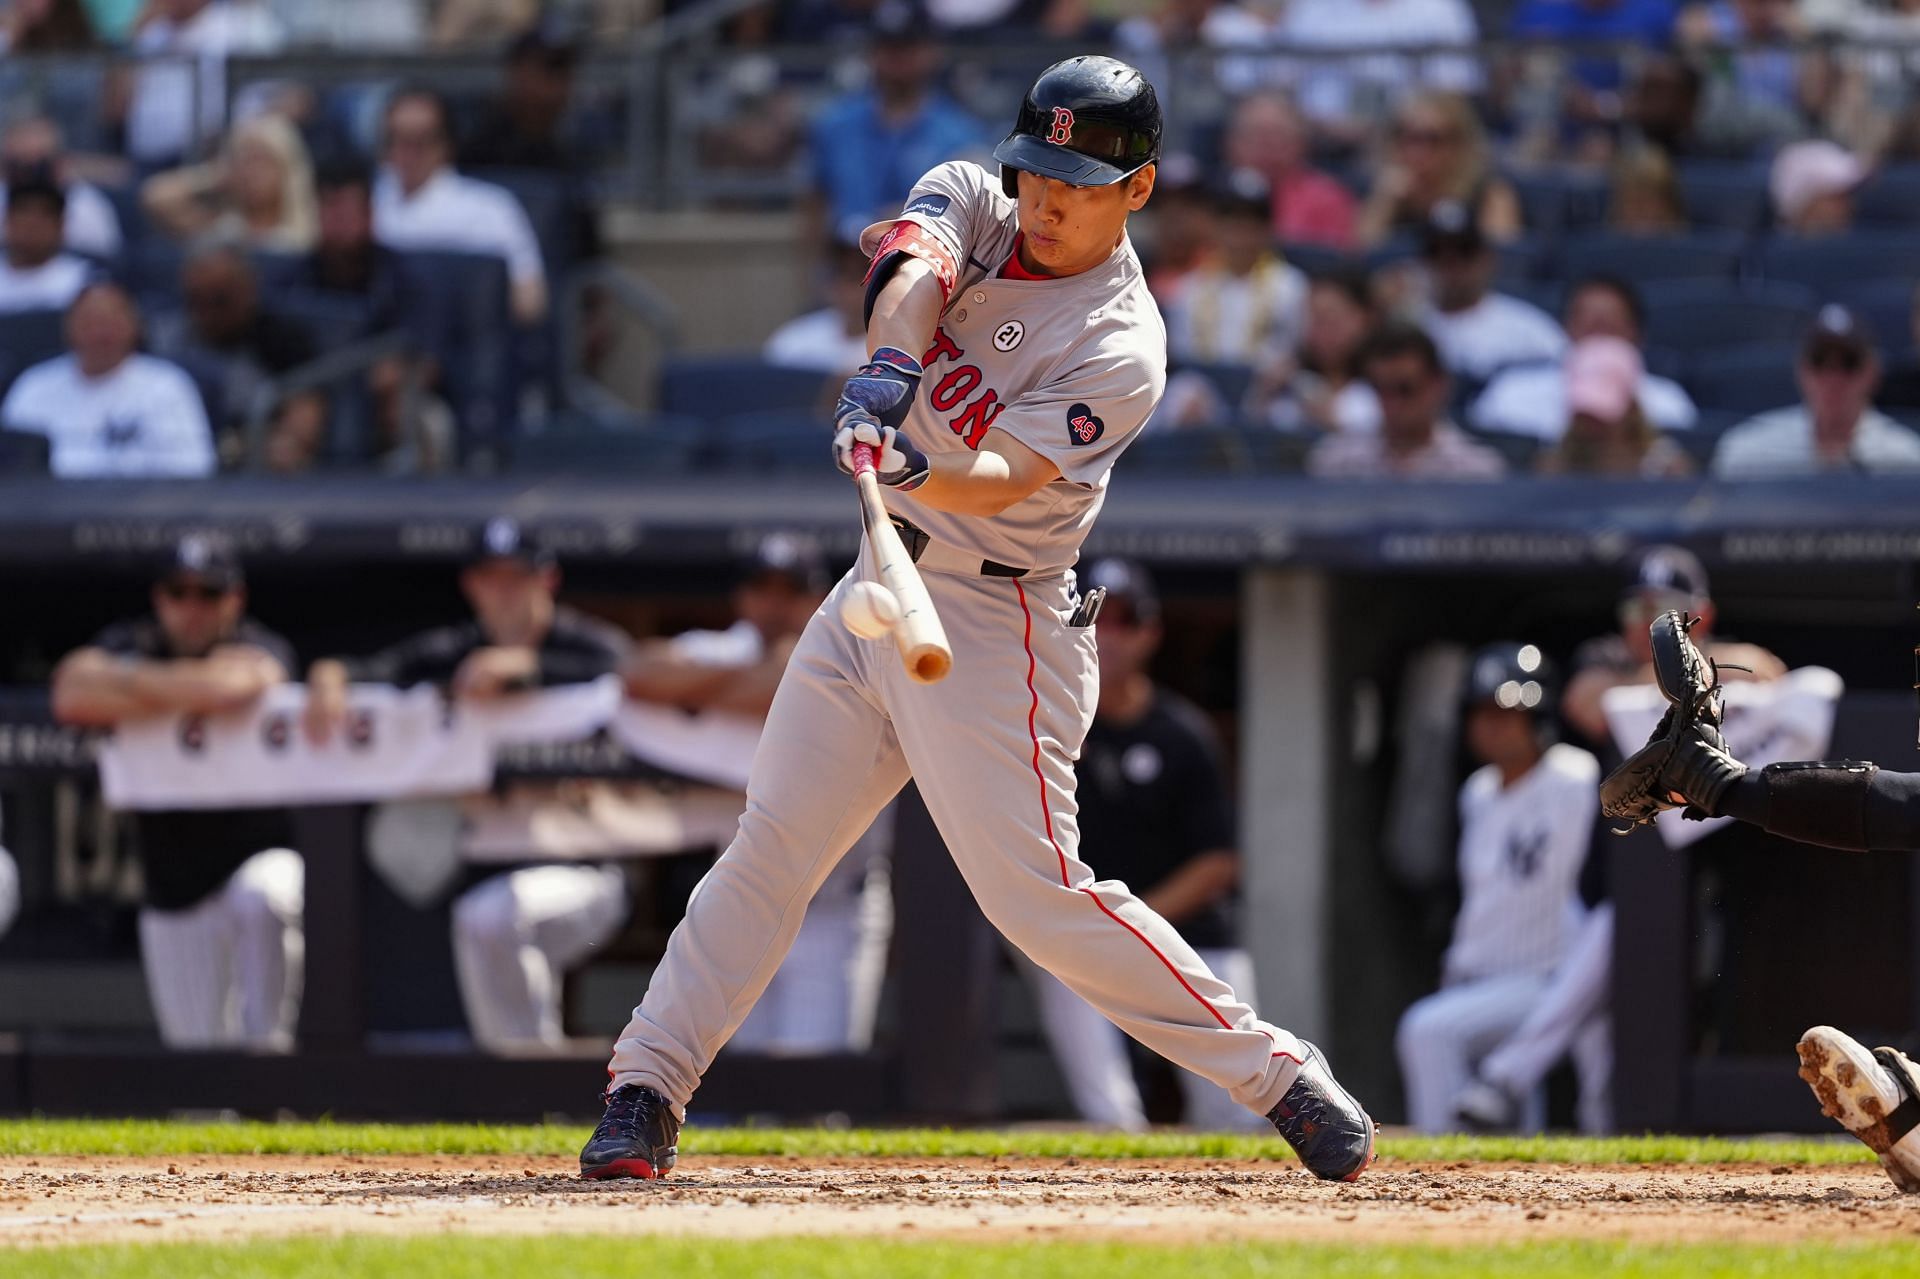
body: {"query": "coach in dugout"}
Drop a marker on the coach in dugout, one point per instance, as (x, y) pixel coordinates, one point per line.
(220, 921)
(514, 933)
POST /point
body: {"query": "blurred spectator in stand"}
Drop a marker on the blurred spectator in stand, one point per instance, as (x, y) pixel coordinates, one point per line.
(1415, 440)
(1756, 93)
(367, 26)
(1438, 157)
(113, 20)
(1643, 195)
(748, 119)
(1648, 23)
(47, 26)
(31, 152)
(222, 895)
(1835, 427)
(1267, 134)
(1479, 331)
(421, 202)
(1812, 185)
(35, 275)
(1531, 399)
(1001, 19)
(1244, 305)
(1607, 432)
(107, 409)
(179, 92)
(227, 333)
(1662, 106)
(871, 146)
(514, 933)
(1323, 389)
(259, 192)
(832, 339)
(1177, 228)
(1342, 88)
(823, 21)
(345, 257)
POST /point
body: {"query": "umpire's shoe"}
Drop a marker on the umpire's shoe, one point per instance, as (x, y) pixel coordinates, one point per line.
(1323, 1123)
(1875, 1096)
(637, 1137)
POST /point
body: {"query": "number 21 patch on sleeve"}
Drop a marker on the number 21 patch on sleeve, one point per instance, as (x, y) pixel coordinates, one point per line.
(1082, 426)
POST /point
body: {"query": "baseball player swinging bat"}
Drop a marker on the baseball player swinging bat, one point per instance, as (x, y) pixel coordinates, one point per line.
(921, 639)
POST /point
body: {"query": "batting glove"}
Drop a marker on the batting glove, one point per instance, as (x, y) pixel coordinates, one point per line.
(882, 390)
(897, 463)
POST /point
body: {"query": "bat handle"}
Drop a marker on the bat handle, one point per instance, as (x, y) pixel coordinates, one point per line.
(863, 460)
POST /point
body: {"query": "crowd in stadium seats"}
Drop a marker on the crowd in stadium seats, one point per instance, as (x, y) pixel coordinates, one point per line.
(396, 282)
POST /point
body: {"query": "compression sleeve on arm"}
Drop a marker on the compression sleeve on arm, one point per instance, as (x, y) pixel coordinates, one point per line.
(909, 239)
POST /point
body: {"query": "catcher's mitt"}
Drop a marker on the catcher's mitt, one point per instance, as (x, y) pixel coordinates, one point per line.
(1642, 787)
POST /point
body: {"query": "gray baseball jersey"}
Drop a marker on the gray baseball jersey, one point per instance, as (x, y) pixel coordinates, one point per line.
(1071, 367)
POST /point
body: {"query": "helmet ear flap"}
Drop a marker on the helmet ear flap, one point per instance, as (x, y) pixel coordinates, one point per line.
(1010, 182)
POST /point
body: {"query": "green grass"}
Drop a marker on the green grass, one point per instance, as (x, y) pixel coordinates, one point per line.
(54, 1137)
(623, 1258)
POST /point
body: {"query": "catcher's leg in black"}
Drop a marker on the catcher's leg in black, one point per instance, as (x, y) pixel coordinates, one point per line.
(1875, 1096)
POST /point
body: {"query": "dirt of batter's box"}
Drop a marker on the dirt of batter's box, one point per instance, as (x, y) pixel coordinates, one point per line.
(76, 1200)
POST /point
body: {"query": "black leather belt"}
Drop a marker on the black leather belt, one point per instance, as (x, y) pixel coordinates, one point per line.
(916, 541)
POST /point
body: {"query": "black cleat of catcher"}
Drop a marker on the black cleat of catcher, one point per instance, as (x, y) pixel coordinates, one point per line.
(1326, 1127)
(637, 1137)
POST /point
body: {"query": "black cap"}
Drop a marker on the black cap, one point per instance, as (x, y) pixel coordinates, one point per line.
(901, 22)
(1451, 225)
(1838, 328)
(555, 42)
(1127, 581)
(1672, 570)
(1512, 676)
(795, 558)
(504, 539)
(1245, 193)
(207, 556)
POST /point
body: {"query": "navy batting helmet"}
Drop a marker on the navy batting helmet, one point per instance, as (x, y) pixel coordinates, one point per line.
(1514, 677)
(1088, 121)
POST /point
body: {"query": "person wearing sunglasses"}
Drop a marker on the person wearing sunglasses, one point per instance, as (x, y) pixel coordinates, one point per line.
(1415, 440)
(1835, 426)
(220, 922)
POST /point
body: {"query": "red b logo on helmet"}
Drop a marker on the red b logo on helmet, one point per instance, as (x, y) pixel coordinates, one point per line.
(1062, 127)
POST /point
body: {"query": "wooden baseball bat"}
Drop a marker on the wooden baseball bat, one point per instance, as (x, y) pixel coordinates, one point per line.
(918, 634)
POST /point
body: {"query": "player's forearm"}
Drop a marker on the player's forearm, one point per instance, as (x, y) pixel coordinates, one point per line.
(97, 690)
(751, 690)
(986, 482)
(1196, 885)
(107, 691)
(907, 310)
(654, 673)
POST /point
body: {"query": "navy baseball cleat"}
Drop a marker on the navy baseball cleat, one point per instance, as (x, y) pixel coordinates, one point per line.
(1323, 1123)
(637, 1137)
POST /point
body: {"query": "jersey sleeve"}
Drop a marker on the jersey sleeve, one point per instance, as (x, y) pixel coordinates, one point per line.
(943, 216)
(1083, 420)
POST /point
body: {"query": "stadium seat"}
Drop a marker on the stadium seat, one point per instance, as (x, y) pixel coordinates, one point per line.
(1192, 451)
(29, 337)
(152, 272)
(1890, 199)
(766, 440)
(1695, 315)
(727, 386)
(455, 305)
(1705, 435)
(574, 444)
(1743, 380)
(1731, 197)
(24, 452)
(333, 319)
(1520, 452)
(1823, 263)
(1552, 202)
(1703, 255)
(1229, 382)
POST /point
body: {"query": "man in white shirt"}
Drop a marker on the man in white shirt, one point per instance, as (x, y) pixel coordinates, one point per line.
(1415, 441)
(180, 94)
(34, 274)
(1835, 426)
(1531, 399)
(833, 339)
(1479, 331)
(1526, 817)
(420, 202)
(1341, 87)
(1243, 305)
(108, 410)
(31, 149)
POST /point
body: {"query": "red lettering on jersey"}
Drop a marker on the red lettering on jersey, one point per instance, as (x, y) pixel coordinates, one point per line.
(1062, 127)
(942, 346)
(974, 423)
(954, 387)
